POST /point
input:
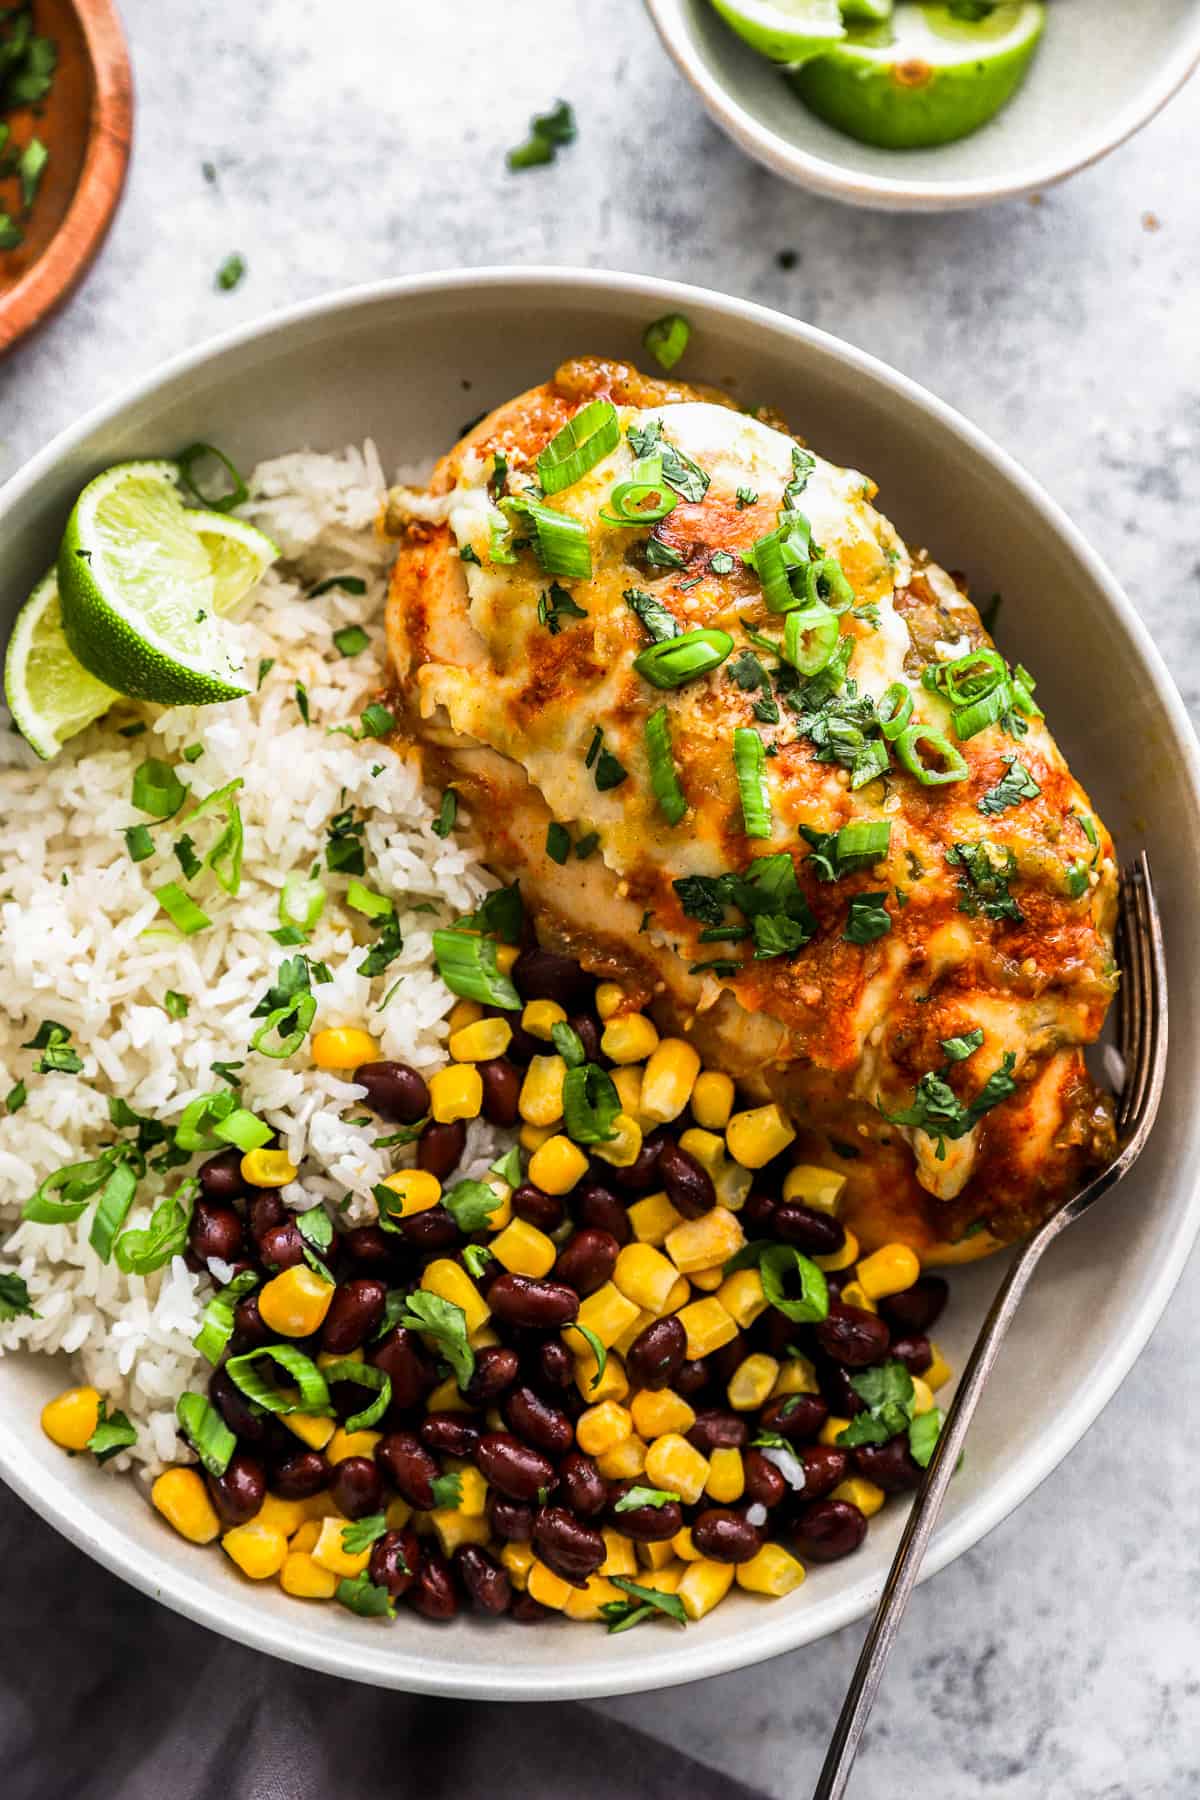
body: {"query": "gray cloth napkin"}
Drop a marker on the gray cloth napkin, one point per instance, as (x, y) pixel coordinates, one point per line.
(105, 1695)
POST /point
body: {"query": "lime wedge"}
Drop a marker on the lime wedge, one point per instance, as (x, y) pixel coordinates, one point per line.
(875, 10)
(50, 695)
(138, 595)
(239, 556)
(788, 31)
(931, 75)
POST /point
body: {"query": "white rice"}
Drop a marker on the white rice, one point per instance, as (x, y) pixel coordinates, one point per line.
(74, 909)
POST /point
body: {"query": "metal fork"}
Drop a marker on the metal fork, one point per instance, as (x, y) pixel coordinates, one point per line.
(1142, 1037)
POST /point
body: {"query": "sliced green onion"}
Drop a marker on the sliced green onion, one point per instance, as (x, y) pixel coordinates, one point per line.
(195, 1128)
(116, 1197)
(642, 500)
(157, 789)
(918, 742)
(810, 638)
(467, 965)
(676, 660)
(774, 571)
(664, 777)
(314, 1393)
(77, 1182)
(894, 710)
(866, 838)
(826, 581)
(583, 442)
(301, 902)
(590, 1104)
(139, 843)
(366, 900)
(749, 761)
(667, 339)
(206, 1431)
(560, 541)
(140, 1252)
(187, 460)
(182, 911)
(368, 1376)
(243, 1130)
(351, 640)
(298, 1014)
(216, 1321)
(989, 710)
(972, 677)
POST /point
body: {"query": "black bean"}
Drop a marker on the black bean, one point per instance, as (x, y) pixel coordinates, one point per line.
(433, 1229)
(728, 1359)
(240, 1416)
(541, 975)
(890, 1466)
(515, 1468)
(408, 1465)
(537, 1422)
(215, 1230)
(717, 1430)
(239, 1492)
(917, 1308)
(300, 1475)
(496, 1368)
(691, 1377)
(688, 1183)
(642, 1174)
(554, 1367)
(566, 1545)
(648, 1524)
(765, 1486)
(657, 1353)
(221, 1176)
(432, 1593)
(395, 1559)
(596, 1206)
(837, 1388)
(544, 1305)
(394, 1091)
(354, 1312)
(402, 1358)
(824, 1465)
(725, 1536)
(249, 1329)
(357, 1486)
(795, 1416)
(450, 1434)
(486, 1583)
(587, 1260)
(546, 1211)
(526, 1610)
(440, 1148)
(828, 1530)
(282, 1247)
(265, 1210)
(587, 1030)
(584, 1488)
(914, 1351)
(815, 1233)
(368, 1245)
(522, 1046)
(510, 1519)
(501, 1091)
(852, 1336)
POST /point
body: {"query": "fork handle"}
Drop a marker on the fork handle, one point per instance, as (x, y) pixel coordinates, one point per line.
(902, 1576)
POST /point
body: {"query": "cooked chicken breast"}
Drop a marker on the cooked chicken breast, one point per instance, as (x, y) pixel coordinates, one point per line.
(832, 840)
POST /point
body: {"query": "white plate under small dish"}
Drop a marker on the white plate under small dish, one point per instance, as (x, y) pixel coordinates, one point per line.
(406, 362)
(1102, 70)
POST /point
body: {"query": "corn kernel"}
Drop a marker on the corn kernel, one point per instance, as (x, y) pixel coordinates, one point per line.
(345, 1443)
(294, 1302)
(669, 1078)
(455, 1527)
(609, 999)
(629, 1038)
(450, 1282)
(506, 957)
(633, 1331)
(541, 1016)
(311, 1430)
(712, 1100)
(472, 1490)
(540, 1101)
(600, 1427)
(456, 1093)
(557, 1166)
(755, 1137)
(732, 1182)
(655, 1556)
(320, 1507)
(751, 1383)
(674, 1464)
(517, 1559)
(343, 1047)
(501, 1214)
(706, 1281)
(422, 1523)
(607, 1313)
(304, 1539)
(548, 1588)
(652, 1218)
(447, 1397)
(523, 1249)
(854, 1294)
(625, 1461)
(305, 1579)
(482, 1041)
(708, 1326)
(657, 1411)
(861, 1493)
(923, 1400)
(256, 1549)
(268, 1168)
(726, 1476)
(706, 1242)
(463, 1012)
(331, 1553)
(703, 1586)
(620, 1558)
(796, 1376)
(831, 1430)
(888, 1271)
(840, 1259)
(624, 1146)
(939, 1371)
(613, 1384)
(683, 1546)
(71, 1417)
(282, 1515)
(586, 1602)
(741, 1294)
(398, 1514)
(532, 1137)
(665, 1580)
(679, 1295)
(628, 1082)
(182, 1498)
(771, 1570)
(326, 1358)
(810, 1185)
(644, 1276)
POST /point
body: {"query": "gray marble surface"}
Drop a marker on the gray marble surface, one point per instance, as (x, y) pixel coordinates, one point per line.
(365, 139)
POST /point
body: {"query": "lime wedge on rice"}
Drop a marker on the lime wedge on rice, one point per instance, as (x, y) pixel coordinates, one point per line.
(50, 695)
(138, 594)
(239, 556)
(788, 31)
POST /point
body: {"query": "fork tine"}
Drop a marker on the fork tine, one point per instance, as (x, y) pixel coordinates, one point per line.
(1144, 1008)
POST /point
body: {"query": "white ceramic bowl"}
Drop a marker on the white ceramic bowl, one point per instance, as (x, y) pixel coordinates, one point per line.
(406, 362)
(1104, 67)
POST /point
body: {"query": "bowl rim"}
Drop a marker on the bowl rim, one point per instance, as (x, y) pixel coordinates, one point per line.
(894, 193)
(348, 1656)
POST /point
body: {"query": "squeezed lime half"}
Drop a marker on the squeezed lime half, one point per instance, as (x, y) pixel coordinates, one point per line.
(787, 31)
(50, 694)
(928, 75)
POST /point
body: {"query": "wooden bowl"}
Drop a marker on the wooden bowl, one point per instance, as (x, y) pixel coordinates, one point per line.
(85, 122)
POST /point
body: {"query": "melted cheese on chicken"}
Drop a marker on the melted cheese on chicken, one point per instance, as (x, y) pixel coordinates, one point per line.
(507, 676)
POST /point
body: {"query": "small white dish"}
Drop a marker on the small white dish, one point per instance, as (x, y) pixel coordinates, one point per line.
(1101, 72)
(403, 362)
